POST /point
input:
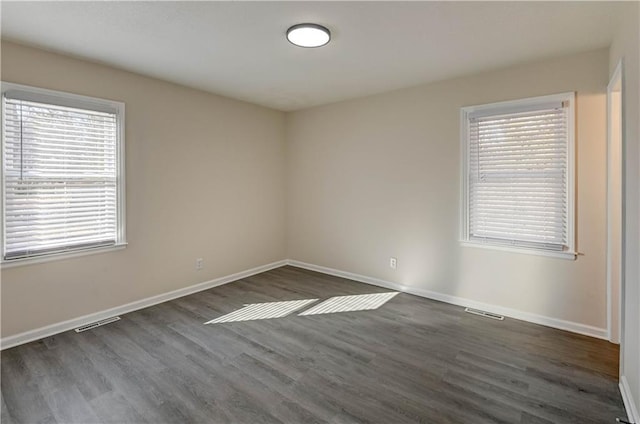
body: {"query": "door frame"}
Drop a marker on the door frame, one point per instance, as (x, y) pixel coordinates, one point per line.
(615, 85)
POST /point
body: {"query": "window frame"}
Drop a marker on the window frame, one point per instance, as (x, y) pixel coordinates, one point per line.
(514, 106)
(61, 98)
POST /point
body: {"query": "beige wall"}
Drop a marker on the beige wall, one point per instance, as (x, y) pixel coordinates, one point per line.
(204, 179)
(364, 180)
(626, 46)
(380, 176)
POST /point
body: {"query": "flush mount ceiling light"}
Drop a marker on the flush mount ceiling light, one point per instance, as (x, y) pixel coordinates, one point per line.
(308, 35)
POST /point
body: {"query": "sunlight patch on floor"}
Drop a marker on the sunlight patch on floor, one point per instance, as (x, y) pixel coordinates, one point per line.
(359, 302)
(269, 310)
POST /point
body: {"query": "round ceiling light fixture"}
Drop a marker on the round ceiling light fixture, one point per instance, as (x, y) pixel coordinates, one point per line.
(308, 35)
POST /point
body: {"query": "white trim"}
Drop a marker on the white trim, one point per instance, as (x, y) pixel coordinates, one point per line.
(464, 180)
(505, 248)
(121, 194)
(50, 330)
(587, 330)
(2, 190)
(571, 173)
(617, 75)
(627, 399)
(616, 78)
(77, 101)
(60, 255)
(60, 98)
(515, 106)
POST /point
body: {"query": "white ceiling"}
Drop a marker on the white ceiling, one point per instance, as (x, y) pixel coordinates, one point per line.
(239, 49)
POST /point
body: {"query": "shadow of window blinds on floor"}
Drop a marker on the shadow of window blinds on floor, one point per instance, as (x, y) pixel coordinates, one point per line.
(271, 310)
(359, 302)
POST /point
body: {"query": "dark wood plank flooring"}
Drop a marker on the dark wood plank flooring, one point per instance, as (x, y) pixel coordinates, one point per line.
(411, 360)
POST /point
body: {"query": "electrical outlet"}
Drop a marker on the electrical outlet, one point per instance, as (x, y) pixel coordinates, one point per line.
(199, 264)
(393, 263)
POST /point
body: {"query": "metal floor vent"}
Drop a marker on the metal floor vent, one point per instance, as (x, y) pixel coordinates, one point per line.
(484, 313)
(97, 324)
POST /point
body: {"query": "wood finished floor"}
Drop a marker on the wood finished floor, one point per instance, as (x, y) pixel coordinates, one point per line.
(411, 360)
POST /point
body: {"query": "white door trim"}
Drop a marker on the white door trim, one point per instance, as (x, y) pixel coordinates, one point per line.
(614, 335)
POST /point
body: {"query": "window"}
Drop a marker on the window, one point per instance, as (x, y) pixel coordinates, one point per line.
(62, 174)
(518, 175)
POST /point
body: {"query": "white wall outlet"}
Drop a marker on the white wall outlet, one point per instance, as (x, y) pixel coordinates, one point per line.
(393, 263)
(199, 264)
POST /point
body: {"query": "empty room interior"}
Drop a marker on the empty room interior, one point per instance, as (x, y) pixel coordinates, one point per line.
(320, 212)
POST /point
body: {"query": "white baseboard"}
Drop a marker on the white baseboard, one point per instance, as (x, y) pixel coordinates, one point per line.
(50, 330)
(629, 404)
(600, 333)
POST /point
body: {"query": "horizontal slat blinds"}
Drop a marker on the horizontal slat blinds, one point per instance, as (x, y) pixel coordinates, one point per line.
(60, 178)
(517, 178)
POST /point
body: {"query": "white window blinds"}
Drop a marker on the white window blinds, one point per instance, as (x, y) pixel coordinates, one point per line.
(60, 170)
(518, 175)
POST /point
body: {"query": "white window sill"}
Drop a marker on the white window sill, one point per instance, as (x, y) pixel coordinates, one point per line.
(60, 256)
(523, 250)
